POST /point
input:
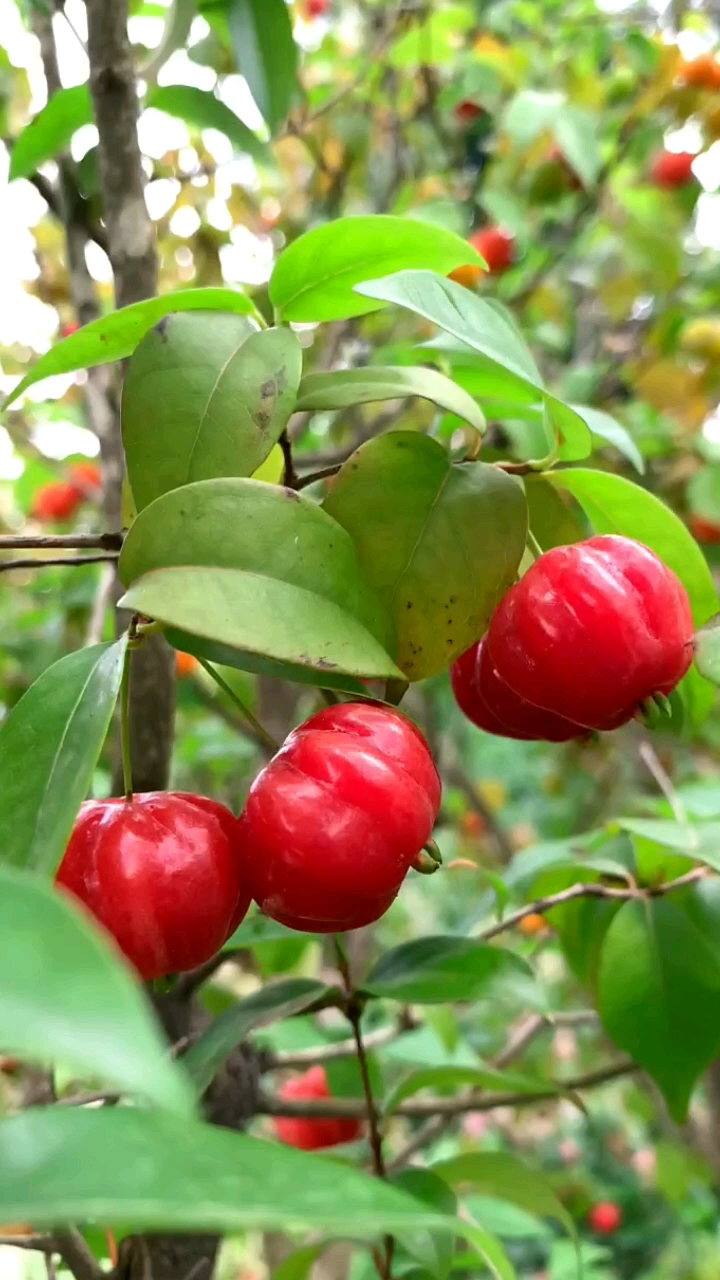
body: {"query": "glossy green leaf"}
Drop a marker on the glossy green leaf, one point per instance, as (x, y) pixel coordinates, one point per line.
(659, 987)
(608, 428)
(490, 1251)
(487, 328)
(50, 131)
(116, 335)
(260, 665)
(170, 1174)
(554, 520)
(432, 1249)
(439, 542)
(201, 109)
(278, 1000)
(576, 132)
(314, 277)
(49, 746)
(345, 387)
(276, 537)
(496, 1173)
(67, 997)
(707, 650)
(698, 840)
(438, 969)
(205, 396)
(447, 1079)
(299, 1265)
(266, 54)
(261, 615)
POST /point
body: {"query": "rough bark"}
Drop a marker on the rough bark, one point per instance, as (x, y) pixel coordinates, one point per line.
(132, 254)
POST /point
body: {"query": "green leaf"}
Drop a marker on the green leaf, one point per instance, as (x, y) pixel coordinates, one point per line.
(261, 615)
(553, 520)
(487, 328)
(576, 133)
(299, 1265)
(439, 542)
(278, 1000)
(50, 131)
(115, 336)
(345, 387)
(266, 55)
(201, 109)
(608, 428)
(314, 277)
(432, 1249)
(277, 539)
(530, 113)
(450, 1078)
(616, 505)
(49, 746)
(438, 969)
(171, 1174)
(504, 1176)
(225, 656)
(707, 650)
(659, 987)
(205, 396)
(257, 929)
(67, 997)
(490, 1250)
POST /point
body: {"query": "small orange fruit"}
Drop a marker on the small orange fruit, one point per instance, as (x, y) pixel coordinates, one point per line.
(467, 276)
(532, 924)
(185, 664)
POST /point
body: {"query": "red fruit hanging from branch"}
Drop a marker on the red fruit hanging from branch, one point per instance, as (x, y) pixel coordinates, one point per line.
(496, 246)
(493, 706)
(673, 169)
(305, 1133)
(592, 631)
(162, 873)
(334, 822)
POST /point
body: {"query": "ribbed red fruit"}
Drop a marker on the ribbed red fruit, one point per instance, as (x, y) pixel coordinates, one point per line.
(592, 631)
(162, 873)
(306, 1133)
(338, 816)
(493, 706)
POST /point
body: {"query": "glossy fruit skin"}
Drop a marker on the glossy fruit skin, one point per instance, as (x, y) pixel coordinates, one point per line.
(493, 706)
(592, 631)
(467, 275)
(185, 664)
(497, 247)
(162, 873)
(673, 169)
(605, 1217)
(705, 530)
(87, 479)
(335, 820)
(316, 8)
(307, 1134)
(56, 501)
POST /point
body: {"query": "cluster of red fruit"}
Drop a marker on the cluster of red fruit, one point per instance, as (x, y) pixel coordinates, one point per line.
(590, 634)
(60, 499)
(331, 827)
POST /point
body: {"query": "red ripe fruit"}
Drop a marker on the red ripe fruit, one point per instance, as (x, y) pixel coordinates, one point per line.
(493, 706)
(467, 111)
(308, 1134)
(673, 169)
(704, 530)
(338, 816)
(592, 631)
(605, 1217)
(162, 873)
(87, 479)
(316, 8)
(55, 501)
(67, 330)
(497, 247)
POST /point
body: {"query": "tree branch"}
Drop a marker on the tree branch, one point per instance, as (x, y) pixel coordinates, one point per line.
(105, 541)
(76, 1255)
(341, 1048)
(34, 563)
(591, 890)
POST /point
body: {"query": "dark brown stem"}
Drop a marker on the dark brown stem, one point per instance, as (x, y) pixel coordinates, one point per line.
(290, 479)
(6, 565)
(76, 1255)
(105, 541)
(304, 481)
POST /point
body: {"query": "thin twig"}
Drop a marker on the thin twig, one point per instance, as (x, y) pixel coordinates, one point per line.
(289, 476)
(323, 474)
(77, 1256)
(259, 730)
(104, 541)
(591, 890)
(229, 717)
(101, 604)
(340, 1049)
(650, 759)
(106, 557)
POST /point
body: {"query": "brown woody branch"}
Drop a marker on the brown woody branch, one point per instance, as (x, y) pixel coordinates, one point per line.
(34, 563)
(104, 541)
(593, 890)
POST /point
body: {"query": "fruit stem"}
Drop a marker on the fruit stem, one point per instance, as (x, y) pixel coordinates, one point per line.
(258, 729)
(125, 725)
(534, 545)
(353, 1013)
